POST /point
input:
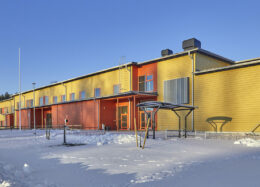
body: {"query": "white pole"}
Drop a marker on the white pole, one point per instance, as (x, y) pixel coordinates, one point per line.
(34, 107)
(20, 126)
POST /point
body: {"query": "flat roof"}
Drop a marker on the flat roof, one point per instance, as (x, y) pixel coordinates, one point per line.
(239, 64)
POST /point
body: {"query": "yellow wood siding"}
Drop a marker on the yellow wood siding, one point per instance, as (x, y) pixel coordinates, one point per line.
(205, 62)
(172, 69)
(105, 81)
(6, 104)
(234, 93)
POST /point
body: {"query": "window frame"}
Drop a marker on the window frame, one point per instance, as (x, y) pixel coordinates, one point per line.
(95, 92)
(72, 94)
(43, 101)
(53, 100)
(46, 103)
(119, 88)
(61, 98)
(80, 94)
(145, 82)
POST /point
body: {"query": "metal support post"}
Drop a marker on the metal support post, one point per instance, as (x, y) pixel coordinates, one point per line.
(179, 122)
(185, 130)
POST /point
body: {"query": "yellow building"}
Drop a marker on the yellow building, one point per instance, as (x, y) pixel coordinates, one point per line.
(218, 86)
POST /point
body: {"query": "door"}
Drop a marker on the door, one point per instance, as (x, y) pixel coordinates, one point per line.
(123, 117)
(143, 119)
(48, 120)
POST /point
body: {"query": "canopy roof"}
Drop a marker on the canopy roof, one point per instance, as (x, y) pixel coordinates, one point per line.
(164, 105)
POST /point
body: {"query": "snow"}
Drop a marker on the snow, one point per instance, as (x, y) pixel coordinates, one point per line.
(248, 142)
(112, 159)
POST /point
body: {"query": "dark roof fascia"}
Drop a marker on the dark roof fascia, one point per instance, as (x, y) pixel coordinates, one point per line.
(247, 60)
(7, 99)
(183, 53)
(218, 57)
(98, 98)
(225, 68)
(175, 55)
(77, 78)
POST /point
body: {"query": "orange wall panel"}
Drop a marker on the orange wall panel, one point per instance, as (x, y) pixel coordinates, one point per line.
(148, 69)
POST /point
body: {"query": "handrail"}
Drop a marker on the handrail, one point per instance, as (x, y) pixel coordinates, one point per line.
(255, 128)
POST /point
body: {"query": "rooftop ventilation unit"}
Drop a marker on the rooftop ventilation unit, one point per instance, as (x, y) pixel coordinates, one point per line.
(166, 52)
(191, 44)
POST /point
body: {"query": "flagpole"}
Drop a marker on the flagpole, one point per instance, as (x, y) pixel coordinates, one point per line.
(20, 125)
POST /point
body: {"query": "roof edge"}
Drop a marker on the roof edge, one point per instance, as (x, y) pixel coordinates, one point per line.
(225, 68)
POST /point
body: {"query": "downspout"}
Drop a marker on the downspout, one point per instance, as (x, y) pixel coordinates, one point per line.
(129, 114)
(65, 91)
(192, 89)
(130, 81)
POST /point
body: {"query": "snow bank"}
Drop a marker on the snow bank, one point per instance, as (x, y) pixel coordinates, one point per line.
(248, 142)
(108, 138)
(5, 184)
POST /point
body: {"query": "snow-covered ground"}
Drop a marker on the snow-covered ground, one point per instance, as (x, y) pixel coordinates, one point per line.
(112, 159)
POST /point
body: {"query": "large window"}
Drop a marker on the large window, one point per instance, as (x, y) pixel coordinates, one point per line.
(82, 95)
(145, 83)
(97, 92)
(177, 91)
(72, 96)
(116, 89)
(55, 99)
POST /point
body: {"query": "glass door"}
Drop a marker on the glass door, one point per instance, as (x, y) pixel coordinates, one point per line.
(123, 117)
(143, 119)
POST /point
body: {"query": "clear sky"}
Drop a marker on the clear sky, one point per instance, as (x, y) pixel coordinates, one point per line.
(62, 39)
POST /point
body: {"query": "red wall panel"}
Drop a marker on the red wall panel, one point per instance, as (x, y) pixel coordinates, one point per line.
(108, 114)
(84, 113)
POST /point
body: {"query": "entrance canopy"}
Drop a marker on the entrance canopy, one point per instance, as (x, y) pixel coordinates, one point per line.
(167, 106)
(164, 105)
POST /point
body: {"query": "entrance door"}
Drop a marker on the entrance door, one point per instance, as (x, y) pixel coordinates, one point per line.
(48, 120)
(143, 119)
(123, 117)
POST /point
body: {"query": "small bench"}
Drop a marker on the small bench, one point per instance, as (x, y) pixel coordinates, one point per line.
(75, 126)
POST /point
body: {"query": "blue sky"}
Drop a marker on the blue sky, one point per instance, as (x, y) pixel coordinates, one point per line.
(61, 39)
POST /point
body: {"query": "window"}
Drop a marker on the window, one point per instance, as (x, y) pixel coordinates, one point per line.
(63, 98)
(141, 83)
(55, 99)
(46, 98)
(82, 95)
(116, 89)
(18, 105)
(177, 91)
(97, 92)
(5, 110)
(72, 96)
(0, 110)
(41, 101)
(145, 83)
(12, 109)
(29, 103)
(149, 83)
